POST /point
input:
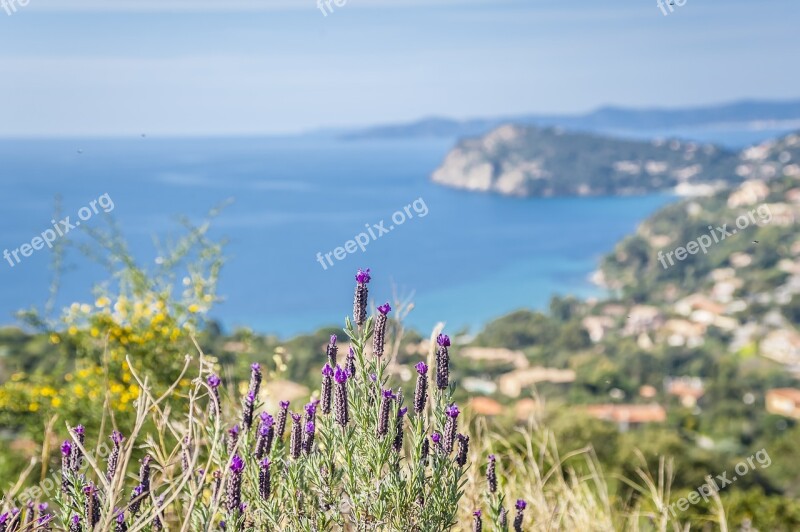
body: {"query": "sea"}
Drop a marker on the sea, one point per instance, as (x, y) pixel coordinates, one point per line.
(462, 258)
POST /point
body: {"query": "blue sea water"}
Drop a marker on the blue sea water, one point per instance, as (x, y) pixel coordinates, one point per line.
(472, 258)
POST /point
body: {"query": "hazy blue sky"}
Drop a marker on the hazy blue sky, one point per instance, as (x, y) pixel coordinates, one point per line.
(272, 66)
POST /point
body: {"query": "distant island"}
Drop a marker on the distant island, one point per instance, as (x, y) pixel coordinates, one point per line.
(747, 114)
(518, 160)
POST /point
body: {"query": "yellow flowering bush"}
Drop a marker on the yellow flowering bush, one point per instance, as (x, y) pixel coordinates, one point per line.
(145, 316)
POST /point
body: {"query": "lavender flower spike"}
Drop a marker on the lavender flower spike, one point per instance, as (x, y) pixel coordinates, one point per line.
(383, 413)
(264, 480)
(421, 391)
(379, 330)
(233, 438)
(74, 523)
(491, 474)
(266, 433)
(233, 490)
(463, 449)
(66, 454)
(296, 439)
(91, 506)
(282, 418)
(255, 378)
(477, 522)
(361, 297)
(397, 445)
(332, 350)
(340, 403)
(442, 362)
(76, 458)
(327, 388)
(214, 407)
(350, 362)
(520, 515)
(144, 473)
(450, 428)
(248, 407)
(113, 458)
(308, 441)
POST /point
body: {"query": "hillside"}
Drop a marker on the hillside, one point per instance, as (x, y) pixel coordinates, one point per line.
(527, 161)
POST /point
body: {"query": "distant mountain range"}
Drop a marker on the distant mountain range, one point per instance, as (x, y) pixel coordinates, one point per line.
(744, 114)
(520, 160)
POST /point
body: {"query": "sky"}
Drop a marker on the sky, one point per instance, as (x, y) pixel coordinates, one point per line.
(233, 67)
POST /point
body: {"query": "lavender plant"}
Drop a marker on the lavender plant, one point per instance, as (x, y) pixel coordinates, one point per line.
(363, 461)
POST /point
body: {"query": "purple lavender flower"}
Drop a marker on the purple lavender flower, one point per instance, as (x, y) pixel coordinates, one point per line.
(44, 522)
(113, 457)
(327, 391)
(463, 449)
(74, 524)
(520, 515)
(442, 362)
(379, 330)
(91, 505)
(296, 439)
(332, 350)
(233, 438)
(144, 473)
(340, 404)
(137, 496)
(477, 522)
(311, 411)
(265, 436)
(503, 520)
(248, 407)
(282, 418)
(491, 474)
(450, 427)
(214, 407)
(76, 458)
(361, 297)
(383, 413)
(233, 490)
(436, 438)
(157, 524)
(119, 525)
(264, 481)
(66, 462)
(425, 451)
(421, 390)
(308, 441)
(397, 445)
(30, 514)
(255, 379)
(187, 450)
(350, 363)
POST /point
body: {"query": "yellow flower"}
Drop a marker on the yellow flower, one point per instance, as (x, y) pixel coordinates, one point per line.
(102, 301)
(55, 339)
(95, 332)
(193, 308)
(33, 407)
(55, 402)
(72, 330)
(86, 309)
